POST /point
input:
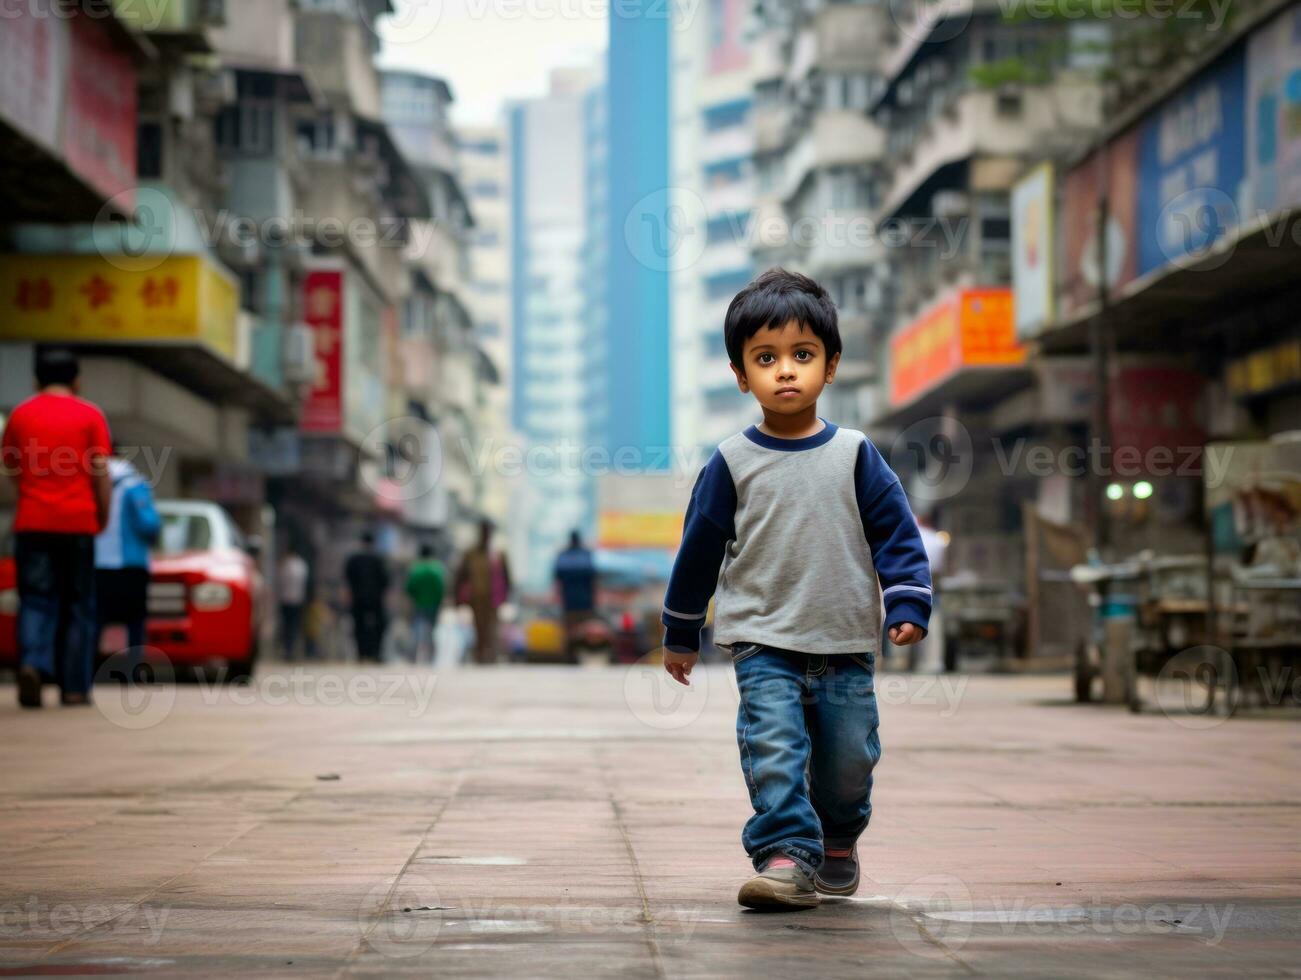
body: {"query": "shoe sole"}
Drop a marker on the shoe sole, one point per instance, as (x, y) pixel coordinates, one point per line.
(826, 889)
(29, 688)
(760, 894)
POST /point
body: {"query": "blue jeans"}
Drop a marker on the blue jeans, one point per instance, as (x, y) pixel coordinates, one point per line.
(57, 625)
(806, 727)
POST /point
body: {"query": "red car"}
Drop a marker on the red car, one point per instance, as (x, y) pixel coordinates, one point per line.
(207, 598)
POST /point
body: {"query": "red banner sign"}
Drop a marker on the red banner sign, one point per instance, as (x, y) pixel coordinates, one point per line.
(323, 312)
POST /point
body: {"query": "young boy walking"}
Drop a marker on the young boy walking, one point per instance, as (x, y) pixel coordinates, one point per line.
(803, 530)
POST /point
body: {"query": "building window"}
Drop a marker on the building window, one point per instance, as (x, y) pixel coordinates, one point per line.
(149, 150)
(731, 227)
(726, 114)
(725, 172)
(726, 284)
(317, 137)
(485, 188)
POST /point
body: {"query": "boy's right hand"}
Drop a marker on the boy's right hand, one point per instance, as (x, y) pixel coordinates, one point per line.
(679, 665)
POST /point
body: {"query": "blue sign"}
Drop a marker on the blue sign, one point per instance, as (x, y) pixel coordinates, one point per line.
(1191, 166)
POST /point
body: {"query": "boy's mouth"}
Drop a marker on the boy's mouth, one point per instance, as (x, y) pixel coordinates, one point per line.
(787, 390)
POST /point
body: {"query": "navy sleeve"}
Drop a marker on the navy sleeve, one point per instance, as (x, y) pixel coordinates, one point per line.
(897, 549)
(708, 526)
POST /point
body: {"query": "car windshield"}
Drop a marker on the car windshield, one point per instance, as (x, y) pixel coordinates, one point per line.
(184, 532)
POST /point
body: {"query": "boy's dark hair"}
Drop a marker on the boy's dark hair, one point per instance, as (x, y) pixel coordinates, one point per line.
(773, 299)
(56, 366)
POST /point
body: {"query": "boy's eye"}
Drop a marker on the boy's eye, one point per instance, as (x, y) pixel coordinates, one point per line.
(804, 355)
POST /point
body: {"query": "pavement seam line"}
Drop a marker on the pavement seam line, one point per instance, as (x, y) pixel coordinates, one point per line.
(652, 942)
(384, 908)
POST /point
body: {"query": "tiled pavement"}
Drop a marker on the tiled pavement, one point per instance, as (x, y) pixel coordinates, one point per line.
(538, 822)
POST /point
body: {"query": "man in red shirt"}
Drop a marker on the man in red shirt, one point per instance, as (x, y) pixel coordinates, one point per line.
(55, 449)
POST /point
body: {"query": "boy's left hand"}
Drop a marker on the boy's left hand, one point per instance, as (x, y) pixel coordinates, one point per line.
(905, 634)
(679, 665)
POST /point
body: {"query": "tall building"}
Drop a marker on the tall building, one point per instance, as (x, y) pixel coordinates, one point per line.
(712, 210)
(640, 246)
(554, 390)
(442, 371)
(484, 160)
(818, 161)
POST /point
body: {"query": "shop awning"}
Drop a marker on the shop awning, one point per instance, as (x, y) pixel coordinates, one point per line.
(177, 314)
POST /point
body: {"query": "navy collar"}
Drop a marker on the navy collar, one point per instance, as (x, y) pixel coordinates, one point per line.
(761, 438)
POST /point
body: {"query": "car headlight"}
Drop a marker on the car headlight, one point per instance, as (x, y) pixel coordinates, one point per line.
(9, 602)
(210, 595)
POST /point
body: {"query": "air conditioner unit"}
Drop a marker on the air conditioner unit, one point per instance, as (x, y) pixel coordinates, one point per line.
(299, 354)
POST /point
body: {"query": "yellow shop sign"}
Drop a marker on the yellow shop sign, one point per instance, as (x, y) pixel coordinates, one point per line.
(89, 299)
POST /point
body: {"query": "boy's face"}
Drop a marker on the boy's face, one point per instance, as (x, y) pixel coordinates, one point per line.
(785, 367)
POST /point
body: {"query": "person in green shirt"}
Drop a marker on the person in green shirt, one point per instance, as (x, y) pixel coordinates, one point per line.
(426, 583)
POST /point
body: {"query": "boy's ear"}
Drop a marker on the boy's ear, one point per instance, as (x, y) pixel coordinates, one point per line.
(740, 377)
(831, 367)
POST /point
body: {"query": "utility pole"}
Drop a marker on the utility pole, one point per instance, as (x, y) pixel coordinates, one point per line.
(1100, 352)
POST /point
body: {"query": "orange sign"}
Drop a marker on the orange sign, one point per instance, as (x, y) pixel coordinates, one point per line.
(971, 328)
(627, 529)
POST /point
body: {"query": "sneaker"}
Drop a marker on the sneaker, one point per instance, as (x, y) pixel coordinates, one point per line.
(838, 874)
(29, 687)
(781, 885)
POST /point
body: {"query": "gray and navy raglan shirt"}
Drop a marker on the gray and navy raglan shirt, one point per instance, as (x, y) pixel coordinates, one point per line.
(803, 540)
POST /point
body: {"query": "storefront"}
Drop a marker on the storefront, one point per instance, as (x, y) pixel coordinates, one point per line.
(67, 114)
(164, 353)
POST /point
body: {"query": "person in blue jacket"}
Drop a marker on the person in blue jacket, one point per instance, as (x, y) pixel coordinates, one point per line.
(122, 555)
(805, 534)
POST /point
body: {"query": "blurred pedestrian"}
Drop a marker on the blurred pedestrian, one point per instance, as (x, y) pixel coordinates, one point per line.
(368, 580)
(56, 447)
(122, 557)
(316, 623)
(483, 584)
(291, 593)
(575, 576)
(426, 583)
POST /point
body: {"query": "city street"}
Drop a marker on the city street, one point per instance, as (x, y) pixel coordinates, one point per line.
(574, 822)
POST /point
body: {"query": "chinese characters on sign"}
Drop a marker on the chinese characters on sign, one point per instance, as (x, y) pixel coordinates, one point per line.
(323, 312)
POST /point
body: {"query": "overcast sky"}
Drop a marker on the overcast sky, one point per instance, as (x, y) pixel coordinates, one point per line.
(491, 51)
